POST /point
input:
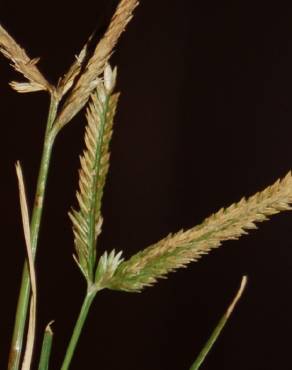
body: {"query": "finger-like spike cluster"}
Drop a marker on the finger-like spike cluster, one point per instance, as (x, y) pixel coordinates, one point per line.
(92, 175)
(22, 64)
(96, 64)
(175, 251)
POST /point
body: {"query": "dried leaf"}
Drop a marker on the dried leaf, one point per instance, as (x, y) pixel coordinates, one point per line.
(26, 228)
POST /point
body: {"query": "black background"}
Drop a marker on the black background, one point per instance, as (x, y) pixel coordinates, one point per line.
(204, 119)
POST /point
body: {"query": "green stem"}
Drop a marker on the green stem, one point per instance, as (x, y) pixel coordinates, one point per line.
(24, 294)
(217, 331)
(78, 327)
(46, 349)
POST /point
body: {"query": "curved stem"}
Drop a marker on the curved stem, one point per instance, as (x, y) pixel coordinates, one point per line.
(24, 294)
(217, 331)
(78, 327)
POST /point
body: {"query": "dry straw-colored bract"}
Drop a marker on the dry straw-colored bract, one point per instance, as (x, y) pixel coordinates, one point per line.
(177, 250)
(96, 64)
(23, 64)
(68, 80)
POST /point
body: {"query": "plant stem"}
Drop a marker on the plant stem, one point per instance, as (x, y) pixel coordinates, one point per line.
(24, 294)
(78, 327)
(46, 349)
(217, 331)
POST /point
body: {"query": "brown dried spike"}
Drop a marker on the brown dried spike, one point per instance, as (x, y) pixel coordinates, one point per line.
(22, 64)
(96, 64)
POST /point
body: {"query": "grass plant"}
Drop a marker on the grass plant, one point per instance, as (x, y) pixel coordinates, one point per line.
(90, 82)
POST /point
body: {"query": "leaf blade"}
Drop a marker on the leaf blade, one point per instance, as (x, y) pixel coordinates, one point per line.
(26, 228)
(220, 326)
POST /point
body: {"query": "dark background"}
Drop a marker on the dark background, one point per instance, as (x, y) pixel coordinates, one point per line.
(204, 118)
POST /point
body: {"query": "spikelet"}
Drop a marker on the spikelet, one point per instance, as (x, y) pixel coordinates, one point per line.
(68, 80)
(94, 168)
(96, 64)
(107, 265)
(175, 251)
(22, 64)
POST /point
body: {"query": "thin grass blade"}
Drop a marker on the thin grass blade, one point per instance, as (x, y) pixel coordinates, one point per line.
(217, 331)
(26, 228)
